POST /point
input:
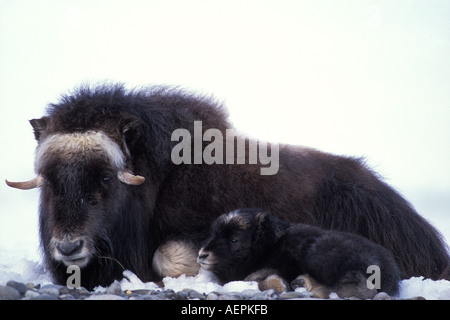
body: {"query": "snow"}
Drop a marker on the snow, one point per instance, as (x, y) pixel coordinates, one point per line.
(25, 271)
(17, 265)
(132, 282)
(205, 282)
(429, 289)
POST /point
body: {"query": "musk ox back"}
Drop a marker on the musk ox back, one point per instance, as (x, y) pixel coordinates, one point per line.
(111, 194)
(253, 244)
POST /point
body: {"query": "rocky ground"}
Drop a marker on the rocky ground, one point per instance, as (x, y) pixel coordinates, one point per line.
(14, 290)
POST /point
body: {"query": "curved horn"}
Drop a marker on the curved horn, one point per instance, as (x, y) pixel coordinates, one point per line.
(26, 185)
(129, 178)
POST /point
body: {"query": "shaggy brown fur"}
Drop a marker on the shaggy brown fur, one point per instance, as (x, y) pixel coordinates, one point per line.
(86, 205)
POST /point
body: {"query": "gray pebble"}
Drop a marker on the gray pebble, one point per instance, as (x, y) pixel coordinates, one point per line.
(161, 296)
(83, 292)
(9, 293)
(248, 293)
(147, 297)
(114, 288)
(19, 286)
(169, 293)
(104, 297)
(417, 298)
(212, 296)
(50, 289)
(228, 296)
(31, 294)
(266, 295)
(44, 297)
(182, 295)
(293, 295)
(192, 294)
(53, 286)
(65, 290)
(381, 296)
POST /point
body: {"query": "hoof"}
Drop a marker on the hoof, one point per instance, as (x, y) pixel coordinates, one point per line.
(317, 290)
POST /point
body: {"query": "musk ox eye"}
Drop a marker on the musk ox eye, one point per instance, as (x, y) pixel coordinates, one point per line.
(233, 240)
(106, 180)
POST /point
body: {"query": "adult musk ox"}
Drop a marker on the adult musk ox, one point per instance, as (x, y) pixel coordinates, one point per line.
(111, 194)
(252, 244)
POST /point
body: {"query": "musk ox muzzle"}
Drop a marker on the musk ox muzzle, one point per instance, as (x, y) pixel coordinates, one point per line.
(71, 251)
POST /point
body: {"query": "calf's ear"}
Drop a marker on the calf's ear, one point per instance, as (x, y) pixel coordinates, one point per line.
(261, 217)
(268, 227)
(262, 229)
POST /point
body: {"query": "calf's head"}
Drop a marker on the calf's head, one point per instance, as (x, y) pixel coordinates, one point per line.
(84, 178)
(236, 241)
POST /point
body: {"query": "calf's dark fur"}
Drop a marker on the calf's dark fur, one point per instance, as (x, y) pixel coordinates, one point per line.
(248, 243)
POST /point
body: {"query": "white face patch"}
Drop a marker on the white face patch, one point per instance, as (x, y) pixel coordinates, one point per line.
(74, 145)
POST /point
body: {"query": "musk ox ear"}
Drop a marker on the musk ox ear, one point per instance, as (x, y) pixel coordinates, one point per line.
(39, 126)
(129, 128)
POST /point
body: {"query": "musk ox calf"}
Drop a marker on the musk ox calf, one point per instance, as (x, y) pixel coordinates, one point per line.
(252, 244)
(112, 191)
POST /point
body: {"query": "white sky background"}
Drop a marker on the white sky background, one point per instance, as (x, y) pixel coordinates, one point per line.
(360, 78)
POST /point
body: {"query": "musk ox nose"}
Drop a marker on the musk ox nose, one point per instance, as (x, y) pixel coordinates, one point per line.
(69, 248)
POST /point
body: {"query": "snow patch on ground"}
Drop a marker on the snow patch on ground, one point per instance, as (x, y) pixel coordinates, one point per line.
(205, 282)
(14, 267)
(427, 288)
